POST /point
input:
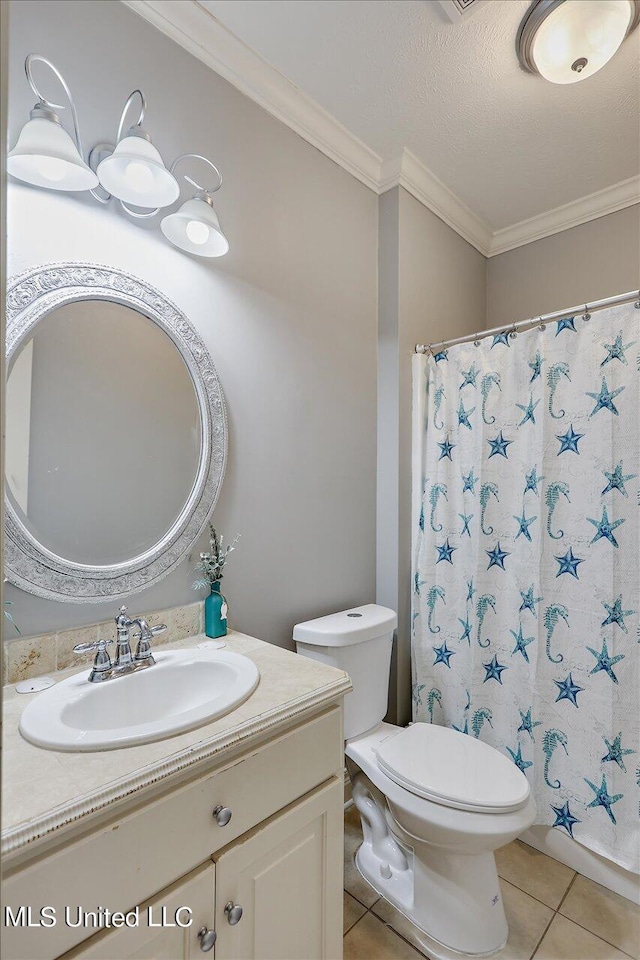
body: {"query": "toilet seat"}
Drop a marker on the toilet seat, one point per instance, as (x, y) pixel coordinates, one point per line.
(452, 769)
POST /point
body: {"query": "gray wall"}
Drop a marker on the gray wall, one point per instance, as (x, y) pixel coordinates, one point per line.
(437, 291)
(595, 260)
(289, 315)
(4, 46)
(388, 489)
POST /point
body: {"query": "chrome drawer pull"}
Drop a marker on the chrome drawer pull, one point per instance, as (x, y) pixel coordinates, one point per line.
(222, 815)
(207, 939)
(233, 912)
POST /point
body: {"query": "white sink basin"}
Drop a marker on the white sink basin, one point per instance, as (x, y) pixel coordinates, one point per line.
(185, 689)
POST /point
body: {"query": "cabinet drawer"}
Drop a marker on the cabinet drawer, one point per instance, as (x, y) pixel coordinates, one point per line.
(260, 784)
(128, 861)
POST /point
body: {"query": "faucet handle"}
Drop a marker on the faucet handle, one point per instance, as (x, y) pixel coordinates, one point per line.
(102, 662)
(147, 633)
(99, 645)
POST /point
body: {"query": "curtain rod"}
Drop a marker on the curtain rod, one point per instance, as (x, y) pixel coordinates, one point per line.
(545, 318)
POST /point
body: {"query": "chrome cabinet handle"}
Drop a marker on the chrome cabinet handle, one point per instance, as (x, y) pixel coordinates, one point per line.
(222, 815)
(207, 939)
(233, 912)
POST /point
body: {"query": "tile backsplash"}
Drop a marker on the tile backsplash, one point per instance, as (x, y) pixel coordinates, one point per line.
(27, 657)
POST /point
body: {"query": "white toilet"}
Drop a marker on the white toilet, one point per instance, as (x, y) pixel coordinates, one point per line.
(434, 803)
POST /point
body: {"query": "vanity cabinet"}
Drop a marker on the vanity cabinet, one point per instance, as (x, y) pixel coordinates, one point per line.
(279, 857)
(278, 879)
(283, 876)
(146, 941)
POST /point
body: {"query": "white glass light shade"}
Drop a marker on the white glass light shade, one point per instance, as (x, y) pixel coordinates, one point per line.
(579, 37)
(46, 156)
(136, 174)
(195, 228)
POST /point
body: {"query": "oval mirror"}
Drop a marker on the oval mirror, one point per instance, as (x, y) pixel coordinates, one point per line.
(115, 434)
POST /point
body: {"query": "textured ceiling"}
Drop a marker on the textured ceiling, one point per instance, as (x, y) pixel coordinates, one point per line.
(398, 74)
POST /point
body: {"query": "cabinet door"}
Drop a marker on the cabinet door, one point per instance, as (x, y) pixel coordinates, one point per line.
(287, 877)
(155, 938)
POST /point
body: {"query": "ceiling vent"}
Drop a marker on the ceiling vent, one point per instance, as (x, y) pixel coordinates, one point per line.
(456, 9)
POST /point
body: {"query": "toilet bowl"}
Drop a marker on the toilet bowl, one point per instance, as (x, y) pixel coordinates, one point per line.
(434, 803)
(449, 888)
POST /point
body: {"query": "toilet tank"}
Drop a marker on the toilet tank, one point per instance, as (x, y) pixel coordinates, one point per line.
(358, 641)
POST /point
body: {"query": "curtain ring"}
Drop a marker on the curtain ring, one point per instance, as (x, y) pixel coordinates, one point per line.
(587, 315)
(543, 325)
(476, 341)
(513, 333)
(637, 303)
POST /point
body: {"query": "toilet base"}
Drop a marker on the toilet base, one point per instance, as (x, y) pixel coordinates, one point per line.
(397, 889)
(454, 899)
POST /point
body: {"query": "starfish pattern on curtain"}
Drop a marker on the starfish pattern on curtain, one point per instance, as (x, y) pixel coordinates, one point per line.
(525, 611)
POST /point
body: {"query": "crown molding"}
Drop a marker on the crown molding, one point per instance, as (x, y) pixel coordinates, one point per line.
(595, 205)
(408, 172)
(199, 32)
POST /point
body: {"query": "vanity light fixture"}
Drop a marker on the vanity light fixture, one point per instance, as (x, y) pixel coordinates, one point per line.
(45, 155)
(569, 40)
(132, 170)
(195, 227)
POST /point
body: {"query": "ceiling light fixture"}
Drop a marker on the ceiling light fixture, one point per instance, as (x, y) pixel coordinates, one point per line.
(569, 40)
(132, 170)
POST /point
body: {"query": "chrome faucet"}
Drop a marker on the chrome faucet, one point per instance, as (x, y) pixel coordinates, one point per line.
(124, 658)
(125, 662)
(143, 656)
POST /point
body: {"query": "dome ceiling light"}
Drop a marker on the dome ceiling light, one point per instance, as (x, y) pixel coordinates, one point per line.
(569, 40)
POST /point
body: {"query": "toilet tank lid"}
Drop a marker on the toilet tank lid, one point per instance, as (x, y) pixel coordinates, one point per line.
(354, 625)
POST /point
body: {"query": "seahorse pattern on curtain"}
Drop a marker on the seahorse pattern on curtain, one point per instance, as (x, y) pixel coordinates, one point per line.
(525, 626)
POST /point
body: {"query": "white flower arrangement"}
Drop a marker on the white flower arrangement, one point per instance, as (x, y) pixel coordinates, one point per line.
(211, 564)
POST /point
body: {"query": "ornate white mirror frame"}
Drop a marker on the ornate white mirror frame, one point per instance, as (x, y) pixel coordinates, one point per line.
(29, 565)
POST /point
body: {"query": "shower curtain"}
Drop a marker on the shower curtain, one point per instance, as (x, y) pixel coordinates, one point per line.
(525, 628)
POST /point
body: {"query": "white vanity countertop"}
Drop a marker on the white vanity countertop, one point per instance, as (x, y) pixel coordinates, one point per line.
(44, 790)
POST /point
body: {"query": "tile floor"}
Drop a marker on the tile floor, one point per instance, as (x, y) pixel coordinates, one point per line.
(553, 913)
